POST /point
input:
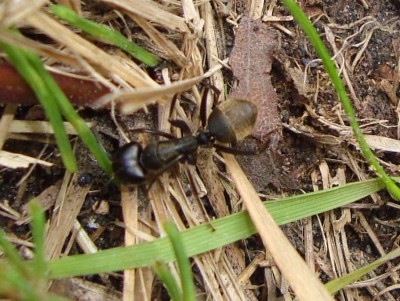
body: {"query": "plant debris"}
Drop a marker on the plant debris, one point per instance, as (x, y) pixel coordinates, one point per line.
(251, 59)
(317, 150)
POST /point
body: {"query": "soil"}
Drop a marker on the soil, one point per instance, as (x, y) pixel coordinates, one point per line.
(313, 144)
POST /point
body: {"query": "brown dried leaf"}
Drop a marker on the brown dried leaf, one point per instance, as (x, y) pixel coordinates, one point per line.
(251, 60)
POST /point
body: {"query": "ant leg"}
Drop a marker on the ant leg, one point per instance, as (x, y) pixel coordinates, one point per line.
(153, 132)
(173, 103)
(203, 107)
(238, 151)
(204, 98)
(180, 124)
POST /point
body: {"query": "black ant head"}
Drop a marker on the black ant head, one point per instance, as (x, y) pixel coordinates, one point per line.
(126, 164)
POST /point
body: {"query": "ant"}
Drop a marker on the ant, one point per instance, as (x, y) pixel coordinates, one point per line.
(229, 122)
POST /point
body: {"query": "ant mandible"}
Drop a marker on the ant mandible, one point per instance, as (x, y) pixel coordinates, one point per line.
(229, 122)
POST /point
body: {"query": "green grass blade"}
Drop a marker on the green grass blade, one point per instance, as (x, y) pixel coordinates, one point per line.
(21, 279)
(14, 281)
(12, 254)
(54, 100)
(105, 33)
(165, 275)
(73, 117)
(323, 53)
(37, 225)
(339, 283)
(212, 235)
(22, 61)
(183, 261)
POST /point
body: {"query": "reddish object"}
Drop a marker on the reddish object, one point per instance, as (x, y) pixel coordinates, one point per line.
(14, 89)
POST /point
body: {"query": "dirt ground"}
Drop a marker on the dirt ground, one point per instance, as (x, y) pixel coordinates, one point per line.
(315, 149)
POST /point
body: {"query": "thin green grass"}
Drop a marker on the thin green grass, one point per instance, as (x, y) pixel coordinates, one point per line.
(212, 235)
(339, 283)
(106, 34)
(196, 241)
(22, 280)
(188, 292)
(165, 275)
(56, 103)
(38, 234)
(79, 124)
(26, 64)
(323, 53)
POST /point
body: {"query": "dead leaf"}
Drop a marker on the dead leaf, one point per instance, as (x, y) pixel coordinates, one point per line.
(251, 60)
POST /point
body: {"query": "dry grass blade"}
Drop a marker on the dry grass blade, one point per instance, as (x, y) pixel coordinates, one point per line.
(13, 12)
(129, 207)
(63, 220)
(134, 76)
(153, 11)
(55, 54)
(13, 160)
(303, 281)
(5, 122)
(171, 51)
(37, 127)
(132, 101)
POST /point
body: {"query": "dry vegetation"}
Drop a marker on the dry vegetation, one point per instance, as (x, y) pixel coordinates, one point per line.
(313, 149)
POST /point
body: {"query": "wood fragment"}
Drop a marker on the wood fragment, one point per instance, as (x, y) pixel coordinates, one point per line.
(15, 90)
(39, 127)
(6, 120)
(46, 199)
(13, 160)
(68, 212)
(130, 213)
